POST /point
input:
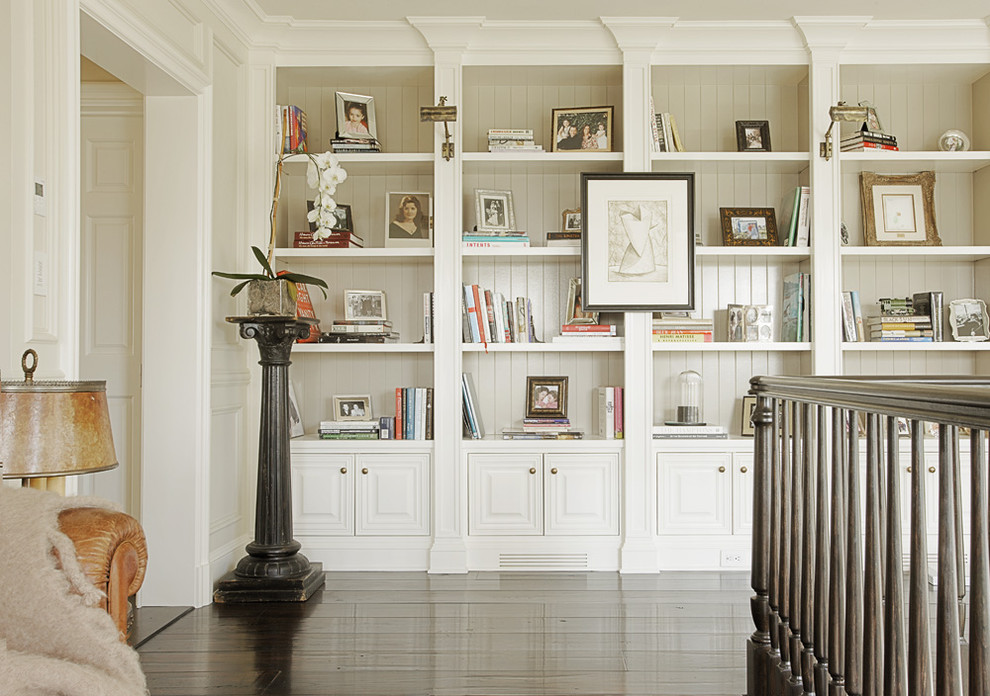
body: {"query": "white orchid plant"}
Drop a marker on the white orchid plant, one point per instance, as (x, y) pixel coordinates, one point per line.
(324, 173)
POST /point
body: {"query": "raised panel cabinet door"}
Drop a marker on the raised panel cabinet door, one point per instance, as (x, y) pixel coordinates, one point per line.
(393, 494)
(323, 494)
(742, 493)
(581, 494)
(505, 494)
(694, 493)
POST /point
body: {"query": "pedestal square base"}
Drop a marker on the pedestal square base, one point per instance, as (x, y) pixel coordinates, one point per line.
(232, 589)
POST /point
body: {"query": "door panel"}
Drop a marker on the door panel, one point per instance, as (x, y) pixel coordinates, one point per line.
(581, 494)
(393, 495)
(506, 494)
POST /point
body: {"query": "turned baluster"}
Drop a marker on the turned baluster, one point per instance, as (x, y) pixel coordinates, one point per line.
(979, 569)
(784, 581)
(853, 664)
(837, 559)
(821, 558)
(948, 669)
(872, 576)
(809, 479)
(894, 665)
(797, 547)
(919, 618)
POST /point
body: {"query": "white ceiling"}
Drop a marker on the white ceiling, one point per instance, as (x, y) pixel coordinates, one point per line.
(593, 9)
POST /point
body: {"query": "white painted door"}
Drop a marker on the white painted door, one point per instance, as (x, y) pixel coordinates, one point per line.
(323, 494)
(582, 494)
(393, 495)
(506, 494)
(694, 493)
(742, 493)
(111, 236)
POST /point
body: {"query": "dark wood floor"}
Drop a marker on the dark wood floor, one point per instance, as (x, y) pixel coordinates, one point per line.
(481, 633)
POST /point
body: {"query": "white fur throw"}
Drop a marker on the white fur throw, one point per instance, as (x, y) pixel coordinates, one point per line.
(53, 639)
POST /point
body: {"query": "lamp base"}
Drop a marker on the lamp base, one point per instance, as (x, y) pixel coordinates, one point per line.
(235, 589)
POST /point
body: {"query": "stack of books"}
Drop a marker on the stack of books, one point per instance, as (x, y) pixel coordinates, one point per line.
(487, 317)
(898, 322)
(584, 333)
(610, 413)
(338, 239)
(868, 140)
(363, 331)
(348, 430)
(505, 240)
(512, 140)
(674, 329)
(339, 145)
(564, 238)
(543, 429)
(290, 129)
(413, 413)
(689, 432)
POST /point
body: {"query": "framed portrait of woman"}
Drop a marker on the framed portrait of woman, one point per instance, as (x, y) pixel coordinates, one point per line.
(410, 220)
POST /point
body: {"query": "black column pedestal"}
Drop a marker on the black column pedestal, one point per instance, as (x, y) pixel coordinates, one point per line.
(273, 570)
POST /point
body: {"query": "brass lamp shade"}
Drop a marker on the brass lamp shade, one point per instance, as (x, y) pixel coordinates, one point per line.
(54, 428)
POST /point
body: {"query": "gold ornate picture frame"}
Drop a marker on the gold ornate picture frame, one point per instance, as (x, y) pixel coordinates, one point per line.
(899, 209)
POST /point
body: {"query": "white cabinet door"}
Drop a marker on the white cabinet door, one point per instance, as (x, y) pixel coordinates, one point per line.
(393, 495)
(581, 494)
(323, 494)
(506, 494)
(742, 493)
(694, 493)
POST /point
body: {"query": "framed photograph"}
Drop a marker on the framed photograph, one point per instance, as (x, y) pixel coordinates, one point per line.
(899, 209)
(753, 136)
(342, 212)
(576, 314)
(364, 305)
(748, 226)
(356, 116)
(968, 319)
(587, 129)
(747, 429)
(546, 397)
(872, 122)
(410, 218)
(637, 241)
(347, 408)
(571, 220)
(494, 211)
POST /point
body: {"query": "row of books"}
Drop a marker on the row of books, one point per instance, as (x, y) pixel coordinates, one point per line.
(473, 427)
(665, 135)
(915, 319)
(670, 328)
(339, 145)
(610, 413)
(487, 317)
(868, 140)
(512, 140)
(795, 217)
(290, 129)
(360, 331)
(478, 240)
(795, 323)
(350, 430)
(337, 239)
(584, 333)
(543, 429)
(413, 418)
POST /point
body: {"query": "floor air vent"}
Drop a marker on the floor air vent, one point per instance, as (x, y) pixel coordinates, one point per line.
(569, 561)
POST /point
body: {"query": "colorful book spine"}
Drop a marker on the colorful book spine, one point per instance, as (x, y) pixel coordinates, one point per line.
(399, 425)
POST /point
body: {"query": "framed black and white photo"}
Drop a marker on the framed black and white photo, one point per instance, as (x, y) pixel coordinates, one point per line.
(546, 397)
(342, 212)
(968, 319)
(347, 408)
(356, 116)
(576, 313)
(582, 129)
(571, 221)
(637, 246)
(494, 211)
(410, 217)
(364, 305)
(753, 136)
(899, 209)
(747, 429)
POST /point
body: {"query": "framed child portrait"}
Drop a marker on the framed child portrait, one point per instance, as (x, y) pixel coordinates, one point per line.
(356, 116)
(410, 217)
(546, 397)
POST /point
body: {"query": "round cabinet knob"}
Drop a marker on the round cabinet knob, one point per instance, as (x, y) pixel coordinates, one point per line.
(364, 470)
(343, 469)
(533, 470)
(721, 470)
(743, 470)
(553, 470)
(931, 470)
(909, 470)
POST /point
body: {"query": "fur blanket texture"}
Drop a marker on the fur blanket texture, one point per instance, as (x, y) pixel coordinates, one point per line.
(53, 639)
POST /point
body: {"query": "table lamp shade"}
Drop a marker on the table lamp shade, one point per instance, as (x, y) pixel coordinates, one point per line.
(54, 428)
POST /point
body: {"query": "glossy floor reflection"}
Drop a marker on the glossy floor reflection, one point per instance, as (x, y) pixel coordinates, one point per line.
(457, 635)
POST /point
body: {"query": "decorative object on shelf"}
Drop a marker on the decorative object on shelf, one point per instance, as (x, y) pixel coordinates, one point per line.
(931, 303)
(750, 323)
(437, 114)
(364, 305)
(746, 428)
(637, 247)
(295, 419)
(899, 209)
(690, 408)
(753, 136)
(546, 397)
(410, 220)
(571, 220)
(968, 319)
(842, 112)
(953, 140)
(356, 116)
(796, 320)
(748, 226)
(342, 213)
(587, 129)
(323, 173)
(512, 140)
(495, 212)
(268, 292)
(843, 234)
(576, 314)
(352, 408)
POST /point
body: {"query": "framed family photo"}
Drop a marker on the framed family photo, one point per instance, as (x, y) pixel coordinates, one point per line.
(352, 407)
(494, 211)
(899, 209)
(587, 129)
(748, 226)
(410, 217)
(356, 116)
(546, 397)
(364, 305)
(637, 245)
(571, 220)
(753, 136)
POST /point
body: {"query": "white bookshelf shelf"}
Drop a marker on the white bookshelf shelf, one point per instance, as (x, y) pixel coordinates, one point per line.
(531, 252)
(921, 346)
(362, 348)
(593, 345)
(904, 161)
(371, 163)
(356, 255)
(495, 443)
(723, 346)
(942, 253)
(768, 252)
(311, 442)
(545, 157)
(736, 162)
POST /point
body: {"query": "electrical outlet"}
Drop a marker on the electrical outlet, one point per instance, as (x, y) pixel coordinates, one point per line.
(733, 559)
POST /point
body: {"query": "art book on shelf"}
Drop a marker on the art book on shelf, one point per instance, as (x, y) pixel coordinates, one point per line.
(931, 304)
(304, 308)
(674, 432)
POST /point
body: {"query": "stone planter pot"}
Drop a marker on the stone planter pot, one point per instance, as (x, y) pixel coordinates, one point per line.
(271, 297)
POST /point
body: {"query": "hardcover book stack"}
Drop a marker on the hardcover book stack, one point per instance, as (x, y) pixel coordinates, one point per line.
(564, 238)
(584, 333)
(487, 317)
(348, 430)
(610, 413)
(512, 140)
(682, 329)
(290, 129)
(340, 145)
(543, 429)
(690, 432)
(504, 240)
(338, 239)
(362, 331)
(868, 140)
(898, 322)
(413, 413)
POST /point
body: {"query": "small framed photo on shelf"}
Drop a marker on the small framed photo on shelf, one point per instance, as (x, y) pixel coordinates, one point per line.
(750, 323)
(410, 217)
(747, 429)
(576, 314)
(968, 319)
(342, 212)
(364, 305)
(546, 397)
(899, 209)
(748, 226)
(587, 129)
(347, 408)
(753, 136)
(571, 220)
(637, 241)
(356, 116)
(494, 211)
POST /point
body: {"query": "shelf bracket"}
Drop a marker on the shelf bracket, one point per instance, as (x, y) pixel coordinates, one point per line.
(436, 114)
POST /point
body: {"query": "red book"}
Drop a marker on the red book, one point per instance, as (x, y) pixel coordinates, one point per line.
(588, 328)
(619, 425)
(398, 413)
(328, 244)
(307, 236)
(481, 320)
(304, 308)
(490, 309)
